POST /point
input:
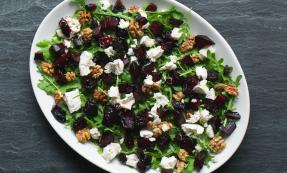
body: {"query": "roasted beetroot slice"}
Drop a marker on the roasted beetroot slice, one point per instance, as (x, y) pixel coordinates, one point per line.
(179, 118)
(109, 23)
(101, 59)
(39, 57)
(220, 100)
(59, 76)
(156, 76)
(106, 41)
(163, 141)
(140, 52)
(215, 123)
(129, 140)
(120, 44)
(106, 139)
(212, 75)
(156, 28)
(97, 32)
(151, 7)
(108, 79)
(141, 20)
(128, 120)
(79, 124)
(134, 69)
(145, 144)
(186, 143)
(126, 88)
(232, 115)
(187, 61)
(59, 114)
(91, 7)
(119, 6)
(148, 68)
(61, 61)
(74, 57)
(175, 22)
(122, 158)
(57, 49)
(122, 33)
(88, 83)
(202, 41)
(228, 129)
(199, 160)
(66, 30)
(90, 109)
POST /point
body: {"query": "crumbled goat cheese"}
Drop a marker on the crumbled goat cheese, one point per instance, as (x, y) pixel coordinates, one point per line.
(127, 102)
(147, 41)
(175, 33)
(73, 24)
(113, 92)
(86, 61)
(132, 160)
(95, 133)
(133, 58)
(211, 94)
(73, 100)
(168, 162)
(146, 133)
(105, 4)
(154, 53)
(161, 100)
(60, 33)
(142, 13)
(131, 52)
(148, 81)
(201, 72)
(116, 67)
(209, 131)
(152, 139)
(123, 24)
(192, 128)
(171, 65)
(194, 118)
(204, 51)
(110, 51)
(198, 147)
(205, 115)
(111, 151)
(201, 87)
(122, 140)
(67, 43)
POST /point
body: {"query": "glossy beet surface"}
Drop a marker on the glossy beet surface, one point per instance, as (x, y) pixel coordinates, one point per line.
(128, 120)
(106, 139)
(232, 115)
(199, 160)
(59, 76)
(151, 7)
(59, 114)
(145, 143)
(90, 109)
(38, 57)
(228, 129)
(79, 124)
(63, 24)
(119, 6)
(156, 28)
(109, 23)
(88, 83)
(106, 41)
(202, 41)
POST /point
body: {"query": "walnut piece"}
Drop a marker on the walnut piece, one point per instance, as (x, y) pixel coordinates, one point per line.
(47, 68)
(83, 135)
(180, 166)
(195, 58)
(217, 144)
(151, 125)
(147, 90)
(70, 76)
(58, 96)
(157, 132)
(182, 155)
(231, 90)
(155, 86)
(87, 34)
(135, 29)
(100, 96)
(187, 45)
(220, 86)
(178, 96)
(84, 17)
(97, 71)
(133, 9)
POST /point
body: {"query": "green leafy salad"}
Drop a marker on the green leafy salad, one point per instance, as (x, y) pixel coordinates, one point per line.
(137, 83)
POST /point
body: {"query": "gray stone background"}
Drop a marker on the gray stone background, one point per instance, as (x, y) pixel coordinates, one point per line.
(257, 32)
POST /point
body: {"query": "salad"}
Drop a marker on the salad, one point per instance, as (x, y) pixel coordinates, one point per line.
(137, 83)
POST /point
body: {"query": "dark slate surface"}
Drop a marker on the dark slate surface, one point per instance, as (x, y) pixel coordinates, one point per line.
(257, 31)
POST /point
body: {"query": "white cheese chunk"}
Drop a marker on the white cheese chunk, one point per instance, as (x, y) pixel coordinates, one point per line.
(116, 67)
(95, 133)
(168, 162)
(211, 94)
(201, 87)
(123, 24)
(113, 92)
(192, 129)
(209, 131)
(67, 43)
(133, 58)
(148, 80)
(146, 133)
(147, 41)
(171, 65)
(127, 102)
(60, 33)
(161, 100)
(198, 148)
(154, 53)
(73, 24)
(204, 51)
(105, 4)
(132, 160)
(111, 151)
(146, 26)
(205, 115)
(201, 72)
(73, 100)
(175, 33)
(110, 51)
(152, 139)
(195, 117)
(131, 52)
(142, 13)
(86, 61)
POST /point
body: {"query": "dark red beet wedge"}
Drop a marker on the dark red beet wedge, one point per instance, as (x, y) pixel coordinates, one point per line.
(91, 109)
(156, 28)
(79, 124)
(108, 79)
(109, 23)
(59, 76)
(120, 44)
(228, 128)
(63, 24)
(39, 57)
(151, 7)
(187, 60)
(232, 115)
(61, 61)
(106, 139)
(202, 41)
(126, 88)
(106, 41)
(129, 140)
(140, 53)
(220, 100)
(119, 6)
(145, 144)
(74, 57)
(141, 20)
(59, 114)
(148, 68)
(199, 160)
(57, 49)
(175, 22)
(179, 118)
(91, 7)
(186, 142)
(88, 83)
(215, 123)
(128, 120)
(122, 158)
(122, 33)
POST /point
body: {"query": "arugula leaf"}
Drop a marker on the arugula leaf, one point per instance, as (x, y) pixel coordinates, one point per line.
(82, 3)
(190, 165)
